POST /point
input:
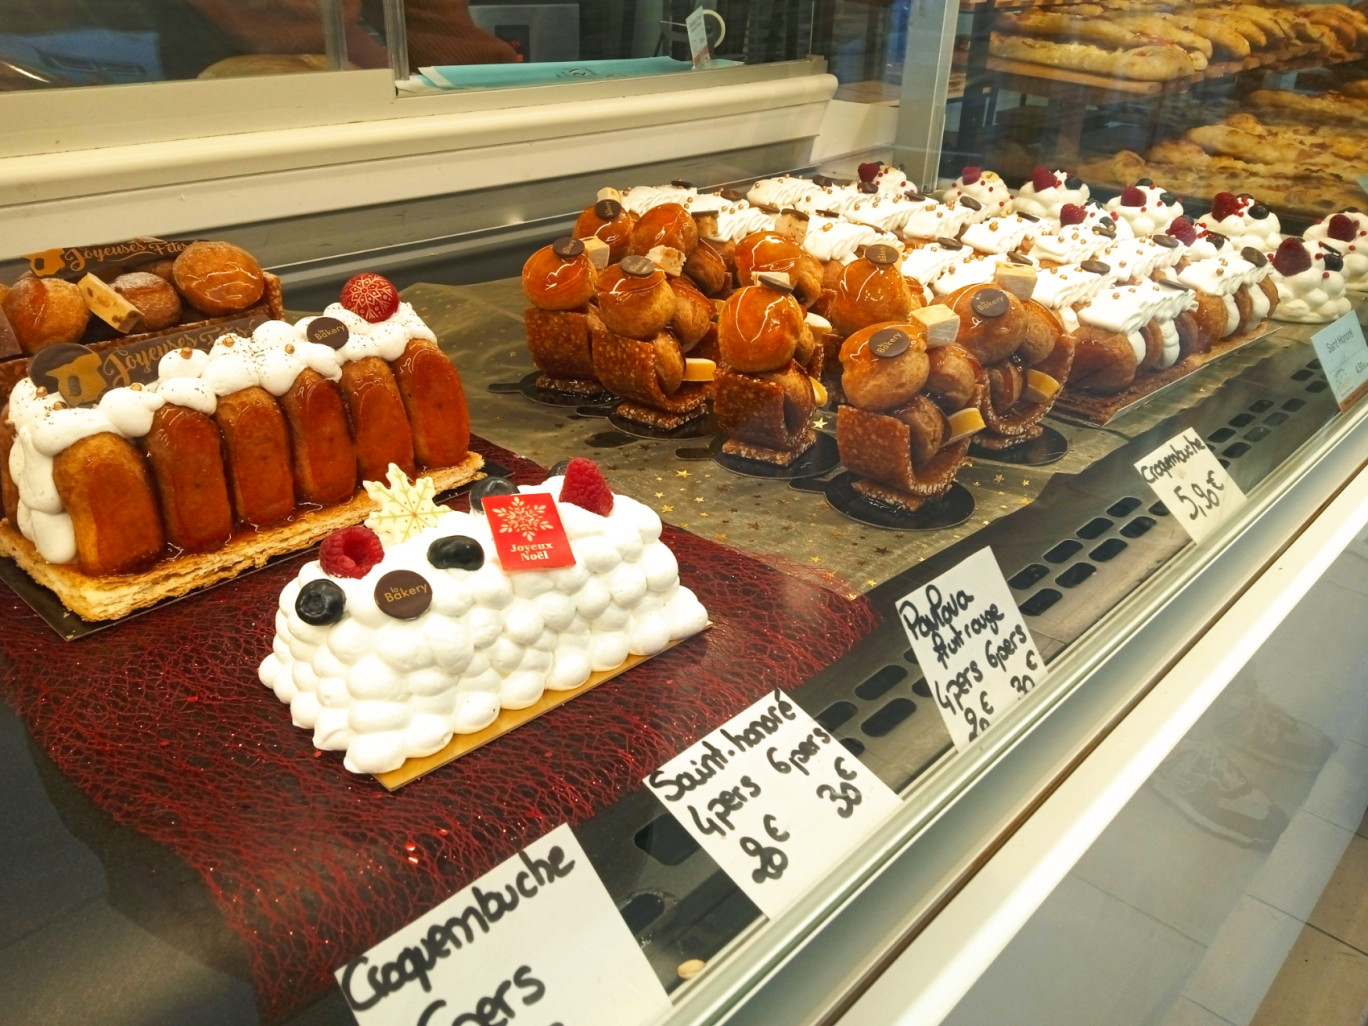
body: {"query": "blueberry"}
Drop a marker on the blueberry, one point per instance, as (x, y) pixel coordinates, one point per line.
(1333, 261)
(456, 552)
(1258, 211)
(1073, 182)
(1167, 198)
(321, 603)
(490, 486)
(1145, 181)
(559, 469)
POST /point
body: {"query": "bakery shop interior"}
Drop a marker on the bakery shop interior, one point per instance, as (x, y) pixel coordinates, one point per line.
(434, 429)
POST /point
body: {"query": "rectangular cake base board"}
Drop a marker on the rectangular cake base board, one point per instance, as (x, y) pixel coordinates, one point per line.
(1100, 410)
(463, 744)
(66, 599)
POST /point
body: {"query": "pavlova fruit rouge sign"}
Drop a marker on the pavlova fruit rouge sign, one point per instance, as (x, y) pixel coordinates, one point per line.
(972, 644)
(774, 799)
(535, 941)
(1194, 486)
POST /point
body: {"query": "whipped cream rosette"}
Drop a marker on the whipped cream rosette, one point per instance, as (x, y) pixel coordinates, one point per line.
(1347, 232)
(1244, 221)
(1146, 208)
(1048, 192)
(888, 180)
(1311, 283)
(641, 198)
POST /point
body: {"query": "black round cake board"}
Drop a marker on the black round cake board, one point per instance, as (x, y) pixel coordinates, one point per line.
(702, 427)
(953, 508)
(1046, 448)
(822, 457)
(527, 388)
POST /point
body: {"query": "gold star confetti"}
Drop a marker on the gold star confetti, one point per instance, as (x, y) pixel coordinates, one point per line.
(881, 551)
(820, 422)
(1025, 482)
(871, 583)
(703, 514)
(681, 473)
(698, 498)
(998, 479)
(660, 495)
(406, 507)
(815, 559)
(667, 508)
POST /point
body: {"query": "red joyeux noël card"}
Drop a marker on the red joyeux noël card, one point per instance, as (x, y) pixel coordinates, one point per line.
(528, 534)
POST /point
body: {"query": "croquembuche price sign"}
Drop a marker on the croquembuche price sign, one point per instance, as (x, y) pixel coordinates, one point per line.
(1343, 355)
(774, 799)
(972, 644)
(536, 941)
(1194, 486)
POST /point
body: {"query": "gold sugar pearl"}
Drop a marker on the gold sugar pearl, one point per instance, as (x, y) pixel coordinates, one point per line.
(59, 405)
(186, 352)
(136, 386)
(41, 392)
(289, 347)
(226, 341)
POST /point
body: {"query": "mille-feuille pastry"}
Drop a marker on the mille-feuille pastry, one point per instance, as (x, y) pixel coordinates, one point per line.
(609, 222)
(871, 289)
(559, 281)
(762, 396)
(45, 312)
(902, 433)
(637, 353)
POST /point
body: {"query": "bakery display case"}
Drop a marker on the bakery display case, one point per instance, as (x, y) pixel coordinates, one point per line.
(200, 829)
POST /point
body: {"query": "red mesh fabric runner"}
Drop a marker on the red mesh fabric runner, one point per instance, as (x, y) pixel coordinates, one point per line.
(162, 722)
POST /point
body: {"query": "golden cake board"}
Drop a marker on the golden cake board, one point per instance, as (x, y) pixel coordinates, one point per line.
(463, 744)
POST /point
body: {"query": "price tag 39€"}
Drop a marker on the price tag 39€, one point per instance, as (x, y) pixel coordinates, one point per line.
(774, 799)
(535, 940)
(1194, 486)
(972, 644)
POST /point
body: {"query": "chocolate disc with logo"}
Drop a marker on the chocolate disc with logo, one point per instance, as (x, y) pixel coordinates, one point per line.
(70, 369)
(1167, 241)
(990, 302)
(971, 203)
(637, 266)
(607, 209)
(779, 283)
(403, 594)
(1254, 256)
(889, 342)
(1095, 267)
(881, 255)
(822, 181)
(567, 247)
(328, 331)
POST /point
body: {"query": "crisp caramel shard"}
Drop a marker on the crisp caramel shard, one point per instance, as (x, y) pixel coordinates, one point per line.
(942, 325)
(1018, 279)
(109, 306)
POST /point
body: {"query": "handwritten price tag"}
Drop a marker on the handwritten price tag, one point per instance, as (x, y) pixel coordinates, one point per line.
(774, 799)
(1344, 358)
(537, 939)
(1194, 486)
(972, 644)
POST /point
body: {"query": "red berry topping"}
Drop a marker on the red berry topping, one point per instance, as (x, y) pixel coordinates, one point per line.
(1072, 213)
(1341, 227)
(870, 170)
(971, 174)
(1043, 178)
(585, 487)
(1291, 257)
(350, 552)
(371, 296)
(1131, 196)
(1183, 229)
(1224, 204)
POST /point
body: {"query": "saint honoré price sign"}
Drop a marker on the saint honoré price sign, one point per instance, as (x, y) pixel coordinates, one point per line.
(972, 645)
(1343, 355)
(1194, 486)
(774, 799)
(536, 941)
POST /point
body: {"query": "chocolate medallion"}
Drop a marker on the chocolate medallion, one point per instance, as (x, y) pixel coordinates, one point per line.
(403, 594)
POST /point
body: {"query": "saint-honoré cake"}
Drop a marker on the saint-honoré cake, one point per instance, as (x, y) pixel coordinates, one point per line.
(411, 630)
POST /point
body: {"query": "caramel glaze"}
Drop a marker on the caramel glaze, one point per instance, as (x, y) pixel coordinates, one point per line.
(989, 339)
(435, 403)
(379, 423)
(666, 225)
(880, 383)
(616, 234)
(551, 282)
(320, 441)
(869, 294)
(758, 329)
(185, 450)
(635, 307)
(9, 491)
(257, 456)
(104, 485)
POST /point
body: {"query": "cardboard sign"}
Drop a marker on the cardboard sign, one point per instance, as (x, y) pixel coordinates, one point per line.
(698, 37)
(774, 799)
(1344, 358)
(972, 644)
(76, 261)
(536, 940)
(1186, 475)
(528, 534)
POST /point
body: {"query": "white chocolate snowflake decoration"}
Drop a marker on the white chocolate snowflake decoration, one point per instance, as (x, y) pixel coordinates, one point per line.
(406, 507)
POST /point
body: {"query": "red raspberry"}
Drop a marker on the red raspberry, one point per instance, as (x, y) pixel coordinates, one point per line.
(1224, 204)
(1182, 229)
(350, 552)
(585, 487)
(971, 174)
(1072, 213)
(1043, 178)
(870, 170)
(1341, 227)
(1291, 257)
(1131, 196)
(371, 296)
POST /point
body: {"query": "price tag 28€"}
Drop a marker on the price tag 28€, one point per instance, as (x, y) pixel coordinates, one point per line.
(972, 644)
(1194, 486)
(774, 799)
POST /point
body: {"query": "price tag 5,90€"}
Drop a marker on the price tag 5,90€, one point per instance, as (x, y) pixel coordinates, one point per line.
(774, 799)
(972, 644)
(1192, 483)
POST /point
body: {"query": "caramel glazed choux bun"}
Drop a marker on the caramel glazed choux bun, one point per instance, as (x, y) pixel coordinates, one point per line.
(45, 312)
(609, 222)
(871, 290)
(218, 278)
(560, 276)
(560, 282)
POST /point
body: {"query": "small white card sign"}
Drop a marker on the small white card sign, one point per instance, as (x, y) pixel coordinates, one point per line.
(774, 799)
(536, 940)
(1194, 486)
(972, 644)
(1344, 358)
(698, 37)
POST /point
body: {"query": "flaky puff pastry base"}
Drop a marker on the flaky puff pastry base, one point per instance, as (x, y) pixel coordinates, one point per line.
(115, 596)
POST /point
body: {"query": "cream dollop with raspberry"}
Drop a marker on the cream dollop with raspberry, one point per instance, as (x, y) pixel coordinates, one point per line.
(1147, 209)
(1347, 232)
(1048, 192)
(1310, 280)
(1244, 221)
(984, 187)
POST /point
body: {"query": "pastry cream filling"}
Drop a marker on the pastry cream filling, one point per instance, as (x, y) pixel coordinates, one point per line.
(1125, 309)
(1232, 315)
(1169, 331)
